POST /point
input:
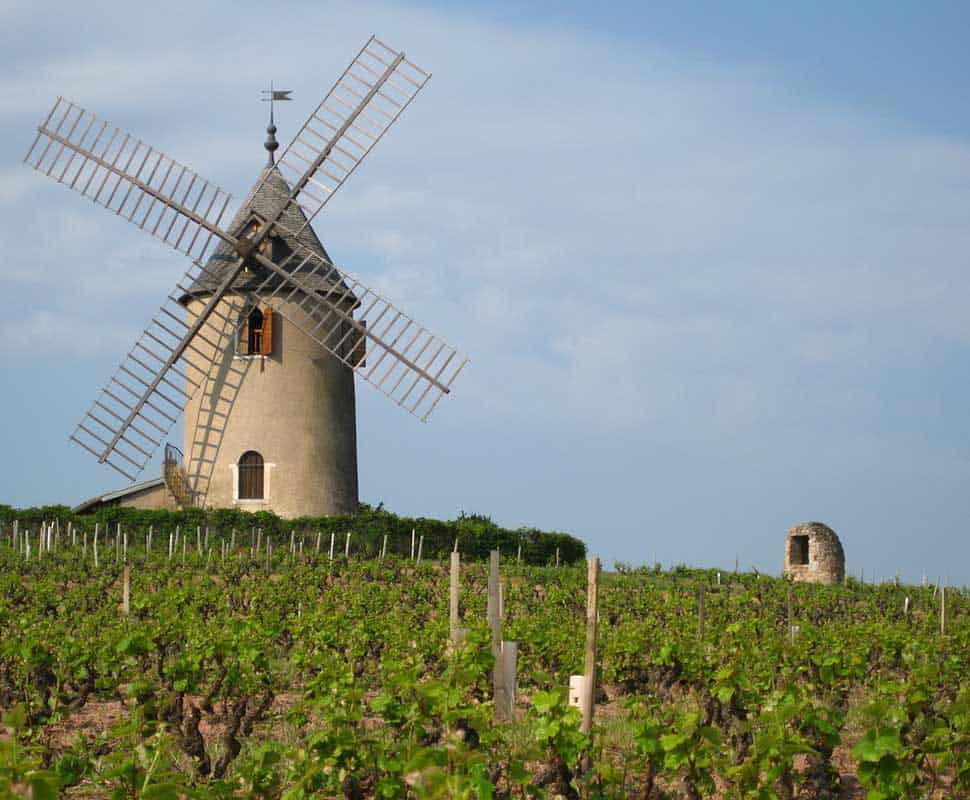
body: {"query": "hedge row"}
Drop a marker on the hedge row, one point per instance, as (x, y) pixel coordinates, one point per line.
(476, 534)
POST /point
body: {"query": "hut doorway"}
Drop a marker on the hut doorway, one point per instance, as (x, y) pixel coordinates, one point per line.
(799, 550)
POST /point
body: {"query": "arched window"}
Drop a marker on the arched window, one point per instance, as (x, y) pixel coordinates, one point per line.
(255, 344)
(255, 335)
(251, 476)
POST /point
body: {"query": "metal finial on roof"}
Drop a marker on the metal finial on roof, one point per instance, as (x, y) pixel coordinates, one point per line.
(271, 95)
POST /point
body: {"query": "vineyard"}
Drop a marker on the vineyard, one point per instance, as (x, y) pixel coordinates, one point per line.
(231, 670)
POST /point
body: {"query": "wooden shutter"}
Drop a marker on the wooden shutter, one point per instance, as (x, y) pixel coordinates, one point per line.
(360, 347)
(242, 344)
(267, 339)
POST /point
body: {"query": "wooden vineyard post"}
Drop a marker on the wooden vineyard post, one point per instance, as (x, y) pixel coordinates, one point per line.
(557, 556)
(384, 547)
(592, 615)
(412, 544)
(319, 534)
(420, 548)
(518, 555)
(126, 591)
(791, 628)
(509, 668)
(292, 543)
(906, 607)
(232, 542)
(125, 553)
(96, 545)
(347, 547)
(943, 609)
(198, 540)
(171, 545)
(495, 624)
(148, 541)
(700, 613)
(84, 545)
(453, 598)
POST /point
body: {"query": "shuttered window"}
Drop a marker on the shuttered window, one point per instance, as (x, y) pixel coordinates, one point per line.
(256, 333)
(251, 476)
(254, 342)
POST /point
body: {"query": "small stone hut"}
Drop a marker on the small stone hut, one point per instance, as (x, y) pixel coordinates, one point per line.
(813, 554)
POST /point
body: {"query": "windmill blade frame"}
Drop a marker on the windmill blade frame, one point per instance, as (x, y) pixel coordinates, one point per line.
(422, 367)
(362, 105)
(183, 209)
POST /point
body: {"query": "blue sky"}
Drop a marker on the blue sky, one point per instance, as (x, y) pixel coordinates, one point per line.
(709, 261)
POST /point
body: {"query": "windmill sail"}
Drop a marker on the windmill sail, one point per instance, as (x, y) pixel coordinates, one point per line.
(385, 346)
(358, 110)
(125, 175)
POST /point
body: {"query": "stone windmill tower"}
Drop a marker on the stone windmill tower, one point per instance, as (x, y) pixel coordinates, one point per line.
(260, 341)
(273, 425)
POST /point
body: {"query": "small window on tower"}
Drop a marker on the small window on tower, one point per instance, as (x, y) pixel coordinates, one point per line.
(251, 476)
(255, 336)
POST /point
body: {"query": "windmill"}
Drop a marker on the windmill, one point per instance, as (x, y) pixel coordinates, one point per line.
(259, 341)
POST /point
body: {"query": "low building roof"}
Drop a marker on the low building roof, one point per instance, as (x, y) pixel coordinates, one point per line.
(135, 488)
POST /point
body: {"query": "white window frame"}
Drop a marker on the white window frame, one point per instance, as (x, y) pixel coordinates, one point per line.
(267, 482)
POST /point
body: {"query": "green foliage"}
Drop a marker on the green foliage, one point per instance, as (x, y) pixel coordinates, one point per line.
(297, 677)
(477, 535)
(21, 768)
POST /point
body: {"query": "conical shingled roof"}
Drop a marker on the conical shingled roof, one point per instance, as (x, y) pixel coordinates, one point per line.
(263, 200)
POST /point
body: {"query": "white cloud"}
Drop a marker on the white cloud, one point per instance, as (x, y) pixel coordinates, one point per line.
(53, 333)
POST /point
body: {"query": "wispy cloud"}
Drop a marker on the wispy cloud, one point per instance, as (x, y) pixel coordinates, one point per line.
(52, 333)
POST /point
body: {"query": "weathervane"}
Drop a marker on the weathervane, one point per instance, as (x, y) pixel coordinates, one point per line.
(270, 96)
